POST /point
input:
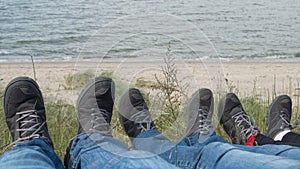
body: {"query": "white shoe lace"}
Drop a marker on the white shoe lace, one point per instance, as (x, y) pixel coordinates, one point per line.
(143, 119)
(27, 118)
(285, 123)
(100, 122)
(204, 122)
(240, 120)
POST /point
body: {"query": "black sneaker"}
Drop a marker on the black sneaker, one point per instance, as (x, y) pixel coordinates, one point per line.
(279, 115)
(94, 106)
(234, 119)
(199, 112)
(134, 115)
(25, 111)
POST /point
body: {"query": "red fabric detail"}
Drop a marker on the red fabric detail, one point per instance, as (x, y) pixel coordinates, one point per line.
(251, 139)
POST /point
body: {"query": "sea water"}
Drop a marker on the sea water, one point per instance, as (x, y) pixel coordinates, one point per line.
(149, 30)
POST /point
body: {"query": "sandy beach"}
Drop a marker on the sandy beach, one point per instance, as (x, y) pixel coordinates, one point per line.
(242, 77)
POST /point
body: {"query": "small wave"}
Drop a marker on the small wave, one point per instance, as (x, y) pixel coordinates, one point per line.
(4, 52)
(3, 60)
(63, 40)
(257, 4)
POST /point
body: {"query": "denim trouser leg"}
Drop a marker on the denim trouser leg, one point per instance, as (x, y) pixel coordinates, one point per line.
(269, 149)
(272, 149)
(97, 151)
(223, 156)
(32, 154)
(284, 152)
(181, 155)
(212, 152)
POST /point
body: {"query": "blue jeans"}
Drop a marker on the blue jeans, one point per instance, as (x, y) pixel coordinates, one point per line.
(98, 151)
(211, 151)
(33, 154)
(87, 151)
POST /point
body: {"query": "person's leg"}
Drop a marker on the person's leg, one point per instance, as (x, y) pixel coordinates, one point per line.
(224, 155)
(32, 154)
(211, 152)
(279, 117)
(137, 122)
(26, 119)
(238, 126)
(98, 151)
(269, 149)
(217, 146)
(94, 146)
(288, 139)
(233, 118)
(291, 137)
(236, 122)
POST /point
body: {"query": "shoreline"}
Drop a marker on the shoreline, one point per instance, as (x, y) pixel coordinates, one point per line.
(241, 77)
(156, 60)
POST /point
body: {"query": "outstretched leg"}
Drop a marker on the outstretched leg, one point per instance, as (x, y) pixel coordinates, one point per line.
(26, 120)
(94, 146)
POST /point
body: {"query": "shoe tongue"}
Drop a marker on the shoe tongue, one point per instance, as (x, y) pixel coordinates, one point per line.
(23, 95)
(104, 100)
(138, 102)
(136, 97)
(205, 97)
(236, 110)
(286, 106)
(101, 90)
(27, 100)
(231, 106)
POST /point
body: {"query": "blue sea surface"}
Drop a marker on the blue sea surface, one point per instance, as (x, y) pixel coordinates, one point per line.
(148, 30)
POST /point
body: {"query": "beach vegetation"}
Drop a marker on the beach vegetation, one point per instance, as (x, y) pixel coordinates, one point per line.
(78, 79)
(171, 95)
(108, 73)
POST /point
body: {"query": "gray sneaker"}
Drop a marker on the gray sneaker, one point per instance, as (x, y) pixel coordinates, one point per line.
(94, 106)
(25, 111)
(199, 112)
(134, 114)
(279, 115)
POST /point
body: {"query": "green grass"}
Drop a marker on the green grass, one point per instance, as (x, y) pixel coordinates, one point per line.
(297, 55)
(78, 80)
(62, 124)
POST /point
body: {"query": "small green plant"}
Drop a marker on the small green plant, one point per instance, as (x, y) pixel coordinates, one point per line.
(297, 55)
(108, 73)
(79, 79)
(142, 83)
(4, 133)
(257, 109)
(170, 91)
(230, 86)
